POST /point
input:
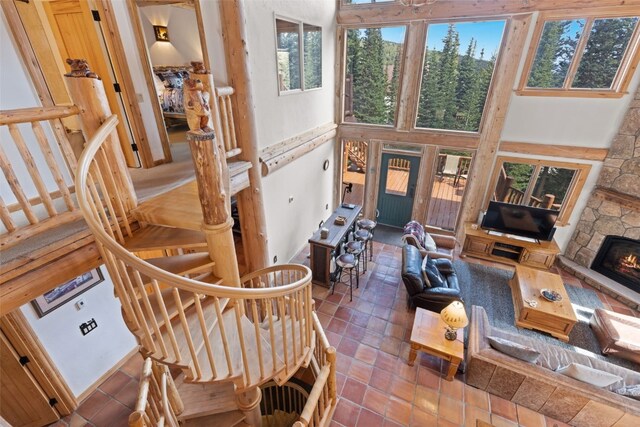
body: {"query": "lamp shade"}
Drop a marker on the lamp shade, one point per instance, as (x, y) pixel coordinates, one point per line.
(454, 315)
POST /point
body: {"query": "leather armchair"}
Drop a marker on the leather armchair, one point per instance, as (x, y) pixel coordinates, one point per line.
(432, 296)
(416, 235)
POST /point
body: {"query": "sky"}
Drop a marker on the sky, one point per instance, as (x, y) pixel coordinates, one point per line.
(488, 35)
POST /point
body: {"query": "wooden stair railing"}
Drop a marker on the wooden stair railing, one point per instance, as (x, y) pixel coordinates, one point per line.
(28, 215)
(213, 333)
(227, 121)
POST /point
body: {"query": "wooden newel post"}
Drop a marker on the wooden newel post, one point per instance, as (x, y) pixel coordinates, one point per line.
(87, 92)
(504, 191)
(212, 176)
(331, 358)
(249, 403)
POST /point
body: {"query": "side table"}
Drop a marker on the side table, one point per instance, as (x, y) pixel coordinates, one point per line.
(428, 335)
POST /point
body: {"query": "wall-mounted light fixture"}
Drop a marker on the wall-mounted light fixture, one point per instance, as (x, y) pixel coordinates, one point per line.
(162, 34)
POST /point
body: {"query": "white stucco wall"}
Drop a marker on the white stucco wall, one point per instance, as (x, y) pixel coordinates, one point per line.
(82, 360)
(184, 40)
(289, 225)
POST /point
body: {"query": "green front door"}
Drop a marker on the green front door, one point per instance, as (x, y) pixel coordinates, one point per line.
(398, 178)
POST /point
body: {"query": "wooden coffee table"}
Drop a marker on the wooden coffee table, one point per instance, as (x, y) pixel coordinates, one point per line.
(556, 318)
(428, 335)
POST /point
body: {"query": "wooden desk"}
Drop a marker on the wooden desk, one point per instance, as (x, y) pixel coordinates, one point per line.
(321, 249)
(428, 335)
(556, 318)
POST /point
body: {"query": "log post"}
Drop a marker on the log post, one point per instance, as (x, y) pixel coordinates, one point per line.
(87, 92)
(249, 403)
(250, 200)
(504, 191)
(331, 358)
(212, 176)
(547, 201)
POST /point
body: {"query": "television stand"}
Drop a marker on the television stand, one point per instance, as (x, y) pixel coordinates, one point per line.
(508, 249)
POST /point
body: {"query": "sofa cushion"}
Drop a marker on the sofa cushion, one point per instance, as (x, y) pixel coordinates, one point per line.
(589, 375)
(632, 391)
(431, 274)
(519, 351)
(623, 330)
(411, 270)
(429, 244)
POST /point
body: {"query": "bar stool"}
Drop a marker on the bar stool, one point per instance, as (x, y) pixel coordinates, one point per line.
(355, 248)
(364, 236)
(345, 261)
(369, 225)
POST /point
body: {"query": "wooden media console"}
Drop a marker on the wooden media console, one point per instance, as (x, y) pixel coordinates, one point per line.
(508, 249)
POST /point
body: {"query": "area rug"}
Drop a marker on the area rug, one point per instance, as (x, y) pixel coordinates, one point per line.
(388, 235)
(488, 287)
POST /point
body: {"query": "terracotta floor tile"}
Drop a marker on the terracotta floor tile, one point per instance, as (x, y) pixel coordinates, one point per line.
(476, 397)
(359, 318)
(354, 390)
(529, 418)
(347, 347)
(428, 378)
(422, 419)
(334, 339)
(115, 383)
(393, 330)
(426, 399)
(503, 408)
(112, 414)
(343, 313)
(443, 422)
(92, 404)
(375, 400)
(453, 389)
(133, 366)
(328, 308)
(390, 423)
(407, 372)
(399, 411)
(340, 380)
(380, 379)
(366, 354)
(377, 324)
(338, 326)
(128, 394)
(385, 361)
(451, 409)
(554, 423)
(391, 345)
(343, 364)
(473, 413)
(369, 419)
(355, 332)
(346, 413)
(403, 389)
(372, 339)
(498, 421)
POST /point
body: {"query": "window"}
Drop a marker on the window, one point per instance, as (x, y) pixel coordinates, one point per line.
(580, 56)
(538, 183)
(397, 176)
(373, 74)
(294, 60)
(457, 72)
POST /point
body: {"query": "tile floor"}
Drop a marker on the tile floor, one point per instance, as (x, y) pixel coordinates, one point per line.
(375, 384)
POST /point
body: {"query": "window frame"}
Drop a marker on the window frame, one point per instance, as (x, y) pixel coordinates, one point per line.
(573, 192)
(623, 76)
(301, 50)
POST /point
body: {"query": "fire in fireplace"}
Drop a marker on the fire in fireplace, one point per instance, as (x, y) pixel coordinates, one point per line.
(619, 259)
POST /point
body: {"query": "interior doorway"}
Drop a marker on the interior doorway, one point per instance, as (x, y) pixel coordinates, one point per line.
(354, 166)
(397, 188)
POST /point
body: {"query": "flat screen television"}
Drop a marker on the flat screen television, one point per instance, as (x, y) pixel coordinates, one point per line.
(525, 221)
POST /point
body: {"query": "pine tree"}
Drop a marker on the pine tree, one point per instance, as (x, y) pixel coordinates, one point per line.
(312, 57)
(392, 90)
(448, 73)
(553, 57)
(429, 86)
(467, 88)
(604, 51)
(370, 85)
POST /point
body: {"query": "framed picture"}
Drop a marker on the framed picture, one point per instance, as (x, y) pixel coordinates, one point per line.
(161, 32)
(59, 295)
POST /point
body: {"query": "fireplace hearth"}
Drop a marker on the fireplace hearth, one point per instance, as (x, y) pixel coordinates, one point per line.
(619, 259)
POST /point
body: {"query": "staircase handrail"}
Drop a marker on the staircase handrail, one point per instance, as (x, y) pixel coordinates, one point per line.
(192, 285)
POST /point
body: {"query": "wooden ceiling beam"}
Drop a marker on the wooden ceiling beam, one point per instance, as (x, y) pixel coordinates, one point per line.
(387, 13)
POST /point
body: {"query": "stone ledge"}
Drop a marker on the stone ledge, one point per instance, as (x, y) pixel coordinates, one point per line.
(601, 282)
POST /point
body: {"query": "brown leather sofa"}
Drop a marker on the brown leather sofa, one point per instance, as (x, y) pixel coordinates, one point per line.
(538, 387)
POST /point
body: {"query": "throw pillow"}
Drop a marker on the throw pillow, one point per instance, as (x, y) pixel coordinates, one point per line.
(589, 375)
(416, 229)
(632, 391)
(429, 243)
(514, 349)
(433, 275)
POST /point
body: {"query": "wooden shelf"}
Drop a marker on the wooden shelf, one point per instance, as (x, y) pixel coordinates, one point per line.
(507, 249)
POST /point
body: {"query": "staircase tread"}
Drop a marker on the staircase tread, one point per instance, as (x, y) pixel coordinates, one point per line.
(284, 375)
(227, 419)
(183, 264)
(155, 237)
(205, 399)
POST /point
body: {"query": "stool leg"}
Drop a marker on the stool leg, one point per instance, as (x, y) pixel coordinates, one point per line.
(350, 284)
(358, 275)
(371, 248)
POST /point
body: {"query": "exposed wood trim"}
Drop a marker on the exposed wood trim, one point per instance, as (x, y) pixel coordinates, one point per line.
(134, 16)
(372, 179)
(24, 340)
(427, 137)
(386, 13)
(573, 93)
(339, 70)
(282, 147)
(250, 201)
(23, 115)
(495, 112)
(93, 387)
(274, 163)
(571, 152)
(420, 200)
(47, 224)
(615, 196)
(123, 75)
(24, 288)
(411, 75)
(26, 52)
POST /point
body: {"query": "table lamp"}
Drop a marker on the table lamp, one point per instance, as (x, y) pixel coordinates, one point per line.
(455, 317)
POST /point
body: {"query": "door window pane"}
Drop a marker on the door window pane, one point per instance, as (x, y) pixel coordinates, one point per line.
(554, 54)
(372, 74)
(457, 72)
(604, 52)
(354, 166)
(288, 39)
(397, 176)
(312, 56)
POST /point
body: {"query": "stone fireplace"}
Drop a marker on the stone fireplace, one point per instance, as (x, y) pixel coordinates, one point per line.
(619, 259)
(613, 209)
